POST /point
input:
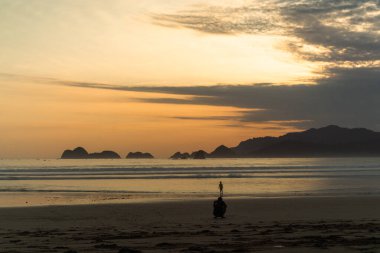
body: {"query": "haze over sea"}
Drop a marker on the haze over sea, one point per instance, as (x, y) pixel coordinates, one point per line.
(52, 182)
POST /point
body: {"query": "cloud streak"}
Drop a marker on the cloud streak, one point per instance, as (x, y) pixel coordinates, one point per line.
(342, 31)
(342, 34)
(349, 97)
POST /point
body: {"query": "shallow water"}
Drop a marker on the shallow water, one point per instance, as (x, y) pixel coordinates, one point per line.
(47, 182)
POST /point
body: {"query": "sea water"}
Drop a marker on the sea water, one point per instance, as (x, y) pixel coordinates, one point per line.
(56, 182)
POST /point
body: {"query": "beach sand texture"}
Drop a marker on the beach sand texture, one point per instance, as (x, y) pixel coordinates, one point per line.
(316, 224)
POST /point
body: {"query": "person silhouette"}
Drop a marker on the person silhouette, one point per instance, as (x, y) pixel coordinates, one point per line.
(220, 208)
(220, 189)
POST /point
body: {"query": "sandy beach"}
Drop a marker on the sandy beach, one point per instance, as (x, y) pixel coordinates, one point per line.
(315, 224)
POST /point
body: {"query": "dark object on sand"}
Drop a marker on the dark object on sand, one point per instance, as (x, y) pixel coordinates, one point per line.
(71, 251)
(129, 250)
(220, 208)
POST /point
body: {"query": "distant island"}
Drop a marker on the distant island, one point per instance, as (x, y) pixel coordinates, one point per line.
(81, 153)
(329, 141)
(179, 155)
(200, 154)
(139, 155)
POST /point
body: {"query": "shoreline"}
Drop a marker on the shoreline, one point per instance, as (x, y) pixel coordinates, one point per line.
(341, 224)
(334, 200)
(57, 199)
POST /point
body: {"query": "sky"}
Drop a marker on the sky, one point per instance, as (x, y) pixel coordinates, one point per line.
(162, 76)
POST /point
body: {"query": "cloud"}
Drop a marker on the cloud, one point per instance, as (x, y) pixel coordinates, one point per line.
(344, 34)
(335, 32)
(223, 20)
(348, 97)
(222, 118)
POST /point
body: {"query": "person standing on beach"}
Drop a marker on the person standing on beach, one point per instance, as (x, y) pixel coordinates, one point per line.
(220, 189)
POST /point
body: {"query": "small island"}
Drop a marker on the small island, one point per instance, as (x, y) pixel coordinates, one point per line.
(179, 155)
(139, 155)
(81, 153)
(200, 154)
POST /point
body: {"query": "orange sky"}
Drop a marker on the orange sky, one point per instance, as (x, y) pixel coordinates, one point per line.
(116, 42)
(40, 120)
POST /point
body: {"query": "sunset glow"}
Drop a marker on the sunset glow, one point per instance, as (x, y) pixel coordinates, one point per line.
(55, 55)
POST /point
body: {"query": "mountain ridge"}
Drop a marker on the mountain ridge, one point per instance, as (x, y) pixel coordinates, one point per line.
(331, 140)
(328, 141)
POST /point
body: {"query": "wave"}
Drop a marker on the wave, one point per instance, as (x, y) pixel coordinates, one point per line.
(195, 176)
(299, 168)
(182, 171)
(111, 173)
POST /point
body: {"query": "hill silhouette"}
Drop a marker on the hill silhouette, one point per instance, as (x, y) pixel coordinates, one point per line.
(222, 152)
(329, 141)
(326, 141)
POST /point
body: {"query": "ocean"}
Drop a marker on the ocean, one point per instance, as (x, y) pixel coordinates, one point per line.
(67, 182)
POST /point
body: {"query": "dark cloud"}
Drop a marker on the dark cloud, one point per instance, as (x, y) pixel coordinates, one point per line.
(340, 30)
(165, 100)
(342, 33)
(236, 126)
(90, 85)
(223, 20)
(349, 97)
(207, 118)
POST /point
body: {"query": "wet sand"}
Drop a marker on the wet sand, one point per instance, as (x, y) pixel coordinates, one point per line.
(315, 224)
